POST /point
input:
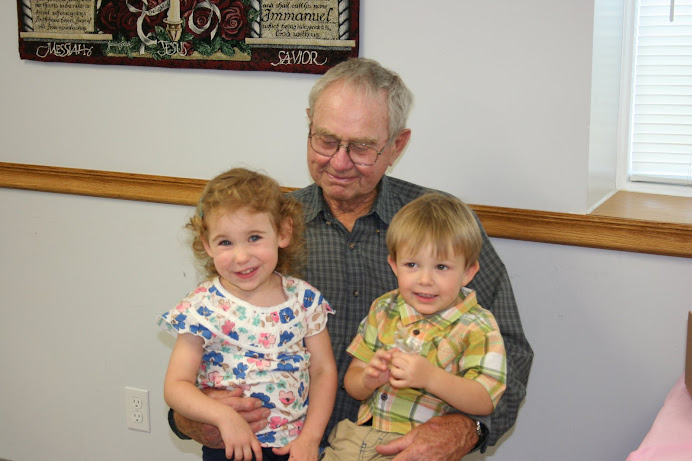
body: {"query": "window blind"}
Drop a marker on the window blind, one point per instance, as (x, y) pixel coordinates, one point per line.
(661, 126)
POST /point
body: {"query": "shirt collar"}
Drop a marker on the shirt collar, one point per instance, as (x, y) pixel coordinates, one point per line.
(384, 206)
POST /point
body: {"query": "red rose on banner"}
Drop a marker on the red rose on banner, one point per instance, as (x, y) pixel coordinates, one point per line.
(157, 19)
(127, 22)
(187, 5)
(222, 4)
(233, 21)
(108, 17)
(200, 19)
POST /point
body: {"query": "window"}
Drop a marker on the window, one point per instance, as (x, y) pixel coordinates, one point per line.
(660, 113)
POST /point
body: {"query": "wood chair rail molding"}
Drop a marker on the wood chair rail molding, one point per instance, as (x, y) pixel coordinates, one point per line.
(592, 231)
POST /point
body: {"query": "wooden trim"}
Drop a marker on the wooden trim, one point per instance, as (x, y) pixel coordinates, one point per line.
(593, 231)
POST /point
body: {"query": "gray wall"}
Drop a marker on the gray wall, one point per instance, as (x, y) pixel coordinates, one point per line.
(504, 100)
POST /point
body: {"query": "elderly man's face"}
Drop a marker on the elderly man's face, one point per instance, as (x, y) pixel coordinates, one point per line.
(348, 114)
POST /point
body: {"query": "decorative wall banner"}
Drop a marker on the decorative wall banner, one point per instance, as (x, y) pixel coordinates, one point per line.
(307, 36)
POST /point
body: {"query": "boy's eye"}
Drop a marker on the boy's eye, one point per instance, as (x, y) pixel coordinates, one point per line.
(441, 267)
(410, 264)
(254, 238)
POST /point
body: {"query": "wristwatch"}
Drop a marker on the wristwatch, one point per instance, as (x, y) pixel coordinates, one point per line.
(482, 432)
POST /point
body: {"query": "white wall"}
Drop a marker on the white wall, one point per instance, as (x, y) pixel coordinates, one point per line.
(503, 95)
(502, 92)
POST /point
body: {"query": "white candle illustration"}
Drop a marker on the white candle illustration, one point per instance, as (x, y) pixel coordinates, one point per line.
(174, 25)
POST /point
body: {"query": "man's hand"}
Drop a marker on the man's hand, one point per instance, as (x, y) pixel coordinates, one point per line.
(443, 438)
(249, 408)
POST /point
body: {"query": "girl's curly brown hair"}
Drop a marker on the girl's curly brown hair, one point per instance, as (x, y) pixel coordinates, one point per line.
(241, 188)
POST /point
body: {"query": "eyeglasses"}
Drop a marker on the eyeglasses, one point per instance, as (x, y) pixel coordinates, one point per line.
(360, 153)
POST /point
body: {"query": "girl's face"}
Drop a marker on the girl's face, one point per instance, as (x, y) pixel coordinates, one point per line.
(245, 248)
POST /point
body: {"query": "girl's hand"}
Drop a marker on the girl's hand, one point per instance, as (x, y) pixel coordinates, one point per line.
(301, 449)
(241, 443)
(410, 370)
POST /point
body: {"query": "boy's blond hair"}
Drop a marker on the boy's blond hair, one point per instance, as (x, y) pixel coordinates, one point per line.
(444, 222)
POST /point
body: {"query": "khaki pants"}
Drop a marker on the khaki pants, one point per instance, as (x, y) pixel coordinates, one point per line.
(349, 441)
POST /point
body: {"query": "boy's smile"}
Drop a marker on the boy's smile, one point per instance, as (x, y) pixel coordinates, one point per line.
(429, 283)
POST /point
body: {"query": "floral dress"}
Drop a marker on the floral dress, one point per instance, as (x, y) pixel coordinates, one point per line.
(259, 349)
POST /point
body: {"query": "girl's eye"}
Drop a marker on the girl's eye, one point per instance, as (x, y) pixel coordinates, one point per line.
(225, 243)
(255, 238)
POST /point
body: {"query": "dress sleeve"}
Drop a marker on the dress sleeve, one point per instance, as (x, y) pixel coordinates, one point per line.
(316, 310)
(184, 318)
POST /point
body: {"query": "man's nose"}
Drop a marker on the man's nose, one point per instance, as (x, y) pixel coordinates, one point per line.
(341, 160)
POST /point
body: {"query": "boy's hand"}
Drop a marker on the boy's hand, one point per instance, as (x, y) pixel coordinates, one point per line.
(376, 372)
(410, 370)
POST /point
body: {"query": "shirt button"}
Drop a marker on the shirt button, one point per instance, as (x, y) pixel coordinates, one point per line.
(383, 397)
(416, 332)
(329, 223)
(352, 245)
(356, 293)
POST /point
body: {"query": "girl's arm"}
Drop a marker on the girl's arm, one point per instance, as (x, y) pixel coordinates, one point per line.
(322, 393)
(181, 393)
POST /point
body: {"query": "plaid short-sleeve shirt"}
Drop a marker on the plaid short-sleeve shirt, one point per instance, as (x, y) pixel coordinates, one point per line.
(463, 340)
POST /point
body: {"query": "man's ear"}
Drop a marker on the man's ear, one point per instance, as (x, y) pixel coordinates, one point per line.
(392, 264)
(470, 273)
(399, 144)
(285, 232)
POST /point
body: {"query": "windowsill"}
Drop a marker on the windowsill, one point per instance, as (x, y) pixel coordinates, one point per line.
(640, 223)
(648, 207)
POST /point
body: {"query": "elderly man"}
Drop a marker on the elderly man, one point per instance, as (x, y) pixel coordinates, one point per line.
(357, 114)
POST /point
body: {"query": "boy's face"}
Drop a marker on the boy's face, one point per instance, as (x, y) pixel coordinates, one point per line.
(430, 284)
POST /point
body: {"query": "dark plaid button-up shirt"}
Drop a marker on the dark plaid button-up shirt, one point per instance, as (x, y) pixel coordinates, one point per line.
(351, 271)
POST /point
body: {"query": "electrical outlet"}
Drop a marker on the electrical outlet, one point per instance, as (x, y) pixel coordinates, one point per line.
(137, 409)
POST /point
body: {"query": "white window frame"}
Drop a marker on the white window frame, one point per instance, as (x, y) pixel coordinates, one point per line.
(625, 120)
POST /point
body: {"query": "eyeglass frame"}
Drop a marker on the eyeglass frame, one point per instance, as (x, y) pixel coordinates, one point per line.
(347, 146)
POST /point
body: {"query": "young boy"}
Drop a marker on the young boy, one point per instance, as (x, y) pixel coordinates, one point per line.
(433, 245)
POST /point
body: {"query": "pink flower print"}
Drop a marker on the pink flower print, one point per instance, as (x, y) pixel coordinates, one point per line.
(224, 305)
(267, 340)
(286, 397)
(277, 421)
(296, 429)
(227, 327)
(200, 290)
(261, 364)
(213, 379)
(275, 317)
(182, 307)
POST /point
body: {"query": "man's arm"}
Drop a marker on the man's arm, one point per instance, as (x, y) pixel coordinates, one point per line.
(250, 409)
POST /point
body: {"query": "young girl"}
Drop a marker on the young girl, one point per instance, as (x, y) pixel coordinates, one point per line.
(251, 325)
